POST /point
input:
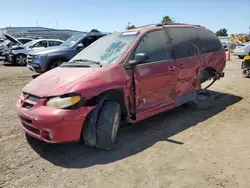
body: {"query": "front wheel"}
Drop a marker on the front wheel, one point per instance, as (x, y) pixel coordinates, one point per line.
(108, 123)
(241, 56)
(246, 73)
(55, 63)
(20, 60)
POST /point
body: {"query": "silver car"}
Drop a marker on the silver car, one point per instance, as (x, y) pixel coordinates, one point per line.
(242, 50)
(18, 55)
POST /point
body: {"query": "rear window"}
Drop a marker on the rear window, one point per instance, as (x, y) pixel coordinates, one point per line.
(208, 40)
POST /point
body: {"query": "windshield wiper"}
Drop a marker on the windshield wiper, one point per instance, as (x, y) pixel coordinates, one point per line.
(73, 65)
(87, 60)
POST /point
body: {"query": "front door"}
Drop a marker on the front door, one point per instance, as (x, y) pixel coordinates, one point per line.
(155, 80)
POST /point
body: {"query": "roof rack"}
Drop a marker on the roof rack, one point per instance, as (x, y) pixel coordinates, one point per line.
(146, 25)
(161, 24)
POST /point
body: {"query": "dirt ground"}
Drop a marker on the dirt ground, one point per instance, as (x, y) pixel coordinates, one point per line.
(185, 147)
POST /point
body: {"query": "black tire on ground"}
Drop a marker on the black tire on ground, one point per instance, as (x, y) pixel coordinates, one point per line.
(20, 60)
(108, 124)
(55, 63)
(246, 73)
(241, 56)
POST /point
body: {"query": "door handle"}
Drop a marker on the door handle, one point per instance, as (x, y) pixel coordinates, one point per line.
(181, 66)
(171, 68)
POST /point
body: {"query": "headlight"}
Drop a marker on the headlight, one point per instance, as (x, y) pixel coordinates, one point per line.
(38, 57)
(63, 102)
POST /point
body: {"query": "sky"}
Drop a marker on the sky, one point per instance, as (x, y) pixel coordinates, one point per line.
(113, 15)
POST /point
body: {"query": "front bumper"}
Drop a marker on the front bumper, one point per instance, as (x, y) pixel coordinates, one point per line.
(9, 57)
(49, 124)
(36, 65)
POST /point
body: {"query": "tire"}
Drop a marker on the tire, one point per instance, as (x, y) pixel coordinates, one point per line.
(108, 123)
(55, 63)
(241, 56)
(246, 73)
(20, 60)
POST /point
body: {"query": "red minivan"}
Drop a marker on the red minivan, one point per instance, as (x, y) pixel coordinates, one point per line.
(123, 77)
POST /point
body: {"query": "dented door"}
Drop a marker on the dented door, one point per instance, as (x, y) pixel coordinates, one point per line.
(155, 84)
(155, 80)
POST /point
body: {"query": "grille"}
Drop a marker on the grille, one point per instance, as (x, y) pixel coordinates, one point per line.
(31, 129)
(29, 59)
(28, 100)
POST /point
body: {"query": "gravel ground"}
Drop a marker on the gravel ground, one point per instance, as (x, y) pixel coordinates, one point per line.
(184, 147)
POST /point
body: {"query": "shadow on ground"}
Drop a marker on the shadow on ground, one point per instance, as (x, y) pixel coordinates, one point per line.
(133, 139)
(35, 76)
(6, 64)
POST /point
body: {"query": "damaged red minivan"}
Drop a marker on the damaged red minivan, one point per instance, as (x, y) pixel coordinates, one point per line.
(123, 77)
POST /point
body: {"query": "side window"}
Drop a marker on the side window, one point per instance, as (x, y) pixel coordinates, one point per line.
(154, 44)
(54, 43)
(185, 42)
(208, 40)
(89, 40)
(41, 44)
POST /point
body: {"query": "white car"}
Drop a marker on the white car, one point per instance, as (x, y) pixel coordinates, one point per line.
(18, 55)
(242, 50)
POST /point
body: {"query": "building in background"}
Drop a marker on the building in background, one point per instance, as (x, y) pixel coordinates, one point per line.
(40, 32)
(224, 39)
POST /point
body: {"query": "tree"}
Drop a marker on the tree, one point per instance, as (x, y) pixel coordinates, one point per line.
(130, 27)
(222, 32)
(167, 20)
(94, 31)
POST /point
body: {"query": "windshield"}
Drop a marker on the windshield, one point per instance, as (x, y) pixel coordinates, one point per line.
(107, 50)
(71, 41)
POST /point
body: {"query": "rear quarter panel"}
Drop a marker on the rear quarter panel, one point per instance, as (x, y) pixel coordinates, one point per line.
(215, 60)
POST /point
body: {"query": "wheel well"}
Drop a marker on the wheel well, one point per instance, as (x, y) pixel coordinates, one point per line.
(207, 74)
(115, 95)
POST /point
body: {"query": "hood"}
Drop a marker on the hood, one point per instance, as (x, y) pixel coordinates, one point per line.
(62, 80)
(12, 39)
(49, 50)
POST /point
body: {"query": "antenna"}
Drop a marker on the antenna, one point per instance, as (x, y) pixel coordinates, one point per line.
(37, 23)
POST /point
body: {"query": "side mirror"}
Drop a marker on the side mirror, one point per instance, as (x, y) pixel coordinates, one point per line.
(139, 59)
(80, 45)
(31, 46)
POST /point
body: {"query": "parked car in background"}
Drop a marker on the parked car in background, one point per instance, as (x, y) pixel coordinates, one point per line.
(122, 77)
(18, 55)
(225, 45)
(12, 42)
(41, 61)
(242, 50)
(2, 40)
